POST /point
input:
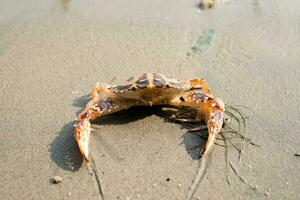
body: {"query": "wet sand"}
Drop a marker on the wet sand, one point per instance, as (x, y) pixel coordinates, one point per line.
(52, 52)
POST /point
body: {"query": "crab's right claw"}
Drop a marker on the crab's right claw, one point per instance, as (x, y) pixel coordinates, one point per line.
(213, 130)
(214, 124)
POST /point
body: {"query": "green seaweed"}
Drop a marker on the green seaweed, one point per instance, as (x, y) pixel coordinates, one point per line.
(203, 41)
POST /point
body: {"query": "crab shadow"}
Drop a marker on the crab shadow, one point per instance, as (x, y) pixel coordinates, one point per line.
(64, 150)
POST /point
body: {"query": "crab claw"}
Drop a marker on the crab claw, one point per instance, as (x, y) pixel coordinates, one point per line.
(82, 136)
(214, 124)
(210, 141)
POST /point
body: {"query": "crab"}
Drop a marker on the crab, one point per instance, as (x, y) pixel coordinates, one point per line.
(147, 90)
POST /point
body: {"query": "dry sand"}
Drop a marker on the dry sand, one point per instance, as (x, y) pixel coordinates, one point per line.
(51, 52)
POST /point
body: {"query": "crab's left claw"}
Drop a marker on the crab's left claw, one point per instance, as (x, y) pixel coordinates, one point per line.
(82, 136)
(104, 102)
(214, 118)
(83, 131)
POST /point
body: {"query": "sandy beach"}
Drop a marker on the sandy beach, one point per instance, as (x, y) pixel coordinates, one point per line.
(52, 52)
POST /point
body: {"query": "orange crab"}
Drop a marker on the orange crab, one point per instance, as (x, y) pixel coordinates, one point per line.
(147, 90)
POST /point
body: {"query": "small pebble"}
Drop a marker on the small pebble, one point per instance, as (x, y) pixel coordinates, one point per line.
(297, 154)
(179, 185)
(154, 185)
(56, 179)
(168, 179)
(267, 194)
(75, 92)
(253, 187)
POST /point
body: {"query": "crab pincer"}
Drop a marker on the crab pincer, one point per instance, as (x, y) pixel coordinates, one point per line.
(82, 133)
(214, 120)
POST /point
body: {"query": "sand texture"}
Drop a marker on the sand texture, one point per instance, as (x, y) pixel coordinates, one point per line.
(51, 53)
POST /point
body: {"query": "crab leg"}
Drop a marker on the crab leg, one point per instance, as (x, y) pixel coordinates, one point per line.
(210, 109)
(104, 102)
